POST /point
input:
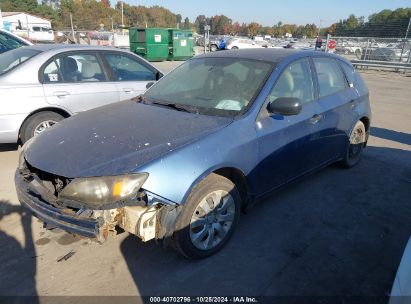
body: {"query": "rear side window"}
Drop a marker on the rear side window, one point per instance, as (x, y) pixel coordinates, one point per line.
(331, 79)
(349, 71)
(74, 68)
(126, 68)
(12, 59)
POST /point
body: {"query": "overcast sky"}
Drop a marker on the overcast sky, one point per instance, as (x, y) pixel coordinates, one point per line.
(269, 12)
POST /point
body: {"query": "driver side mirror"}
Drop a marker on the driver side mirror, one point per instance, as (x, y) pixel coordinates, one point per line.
(159, 75)
(285, 106)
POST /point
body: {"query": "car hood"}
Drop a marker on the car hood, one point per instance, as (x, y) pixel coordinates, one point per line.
(116, 139)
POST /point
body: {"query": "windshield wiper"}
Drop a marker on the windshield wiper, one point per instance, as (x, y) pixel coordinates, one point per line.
(178, 107)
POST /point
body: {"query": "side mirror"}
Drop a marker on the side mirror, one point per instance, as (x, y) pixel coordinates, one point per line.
(148, 85)
(285, 106)
(159, 75)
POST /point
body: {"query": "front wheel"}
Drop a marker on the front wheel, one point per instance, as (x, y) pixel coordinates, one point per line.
(208, 218)
(38, 123)
(234, 48)
(357, 142)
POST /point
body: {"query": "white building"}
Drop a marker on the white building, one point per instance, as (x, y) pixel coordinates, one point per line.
(16, 19)
(28, 26)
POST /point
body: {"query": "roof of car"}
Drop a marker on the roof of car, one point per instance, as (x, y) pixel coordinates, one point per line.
(262, 54)
(52, 46)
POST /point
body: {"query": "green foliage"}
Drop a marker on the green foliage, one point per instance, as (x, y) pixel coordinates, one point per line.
(89, 14)
(386, 23)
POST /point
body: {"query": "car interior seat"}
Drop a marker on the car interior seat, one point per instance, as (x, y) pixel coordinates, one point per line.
(70, 69)
(89, 71)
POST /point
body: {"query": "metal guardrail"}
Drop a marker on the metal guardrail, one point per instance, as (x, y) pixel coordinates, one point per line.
(382, 65)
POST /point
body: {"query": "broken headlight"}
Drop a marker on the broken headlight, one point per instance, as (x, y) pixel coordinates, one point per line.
(97, 191)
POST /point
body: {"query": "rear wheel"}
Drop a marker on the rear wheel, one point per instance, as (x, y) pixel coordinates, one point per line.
(38, 123)
(208, 218)
(213, 48)
(234, 48)
(357, 142)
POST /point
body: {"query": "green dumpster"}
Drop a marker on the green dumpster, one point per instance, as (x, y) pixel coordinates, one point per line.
(150, 43)
(181, 44)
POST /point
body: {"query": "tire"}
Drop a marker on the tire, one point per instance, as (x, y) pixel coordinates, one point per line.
(234, 48)
(32, 126)
(213, 48)
(357, 143)
(192, 234)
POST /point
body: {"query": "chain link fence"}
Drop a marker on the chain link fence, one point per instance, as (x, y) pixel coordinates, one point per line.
(374, 52)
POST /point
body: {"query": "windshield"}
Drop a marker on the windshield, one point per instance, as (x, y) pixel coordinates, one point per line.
(14, 58)
(215, 86)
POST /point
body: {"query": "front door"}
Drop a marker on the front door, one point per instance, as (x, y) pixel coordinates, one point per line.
(287, 143)
(77, 82)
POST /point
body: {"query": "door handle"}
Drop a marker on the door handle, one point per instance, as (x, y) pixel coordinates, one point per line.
(128, 90)
(315, 119)
(61, 94)
(352, 103)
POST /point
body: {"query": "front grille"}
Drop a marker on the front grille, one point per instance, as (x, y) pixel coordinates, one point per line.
(54, 183)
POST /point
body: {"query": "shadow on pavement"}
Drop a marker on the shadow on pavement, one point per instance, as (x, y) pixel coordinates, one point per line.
(8, 147)
(337, 233)
(400, 137)
(20, 260)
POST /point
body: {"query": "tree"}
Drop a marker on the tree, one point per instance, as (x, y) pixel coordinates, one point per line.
(253, 29)
(179, 18)
(187, 24)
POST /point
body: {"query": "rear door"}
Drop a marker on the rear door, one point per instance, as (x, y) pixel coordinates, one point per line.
(131, 74)
(338, 101)
(77, 82)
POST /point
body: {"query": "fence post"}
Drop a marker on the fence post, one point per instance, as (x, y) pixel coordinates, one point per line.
(326, 42)
(366, 50)
(405, 39)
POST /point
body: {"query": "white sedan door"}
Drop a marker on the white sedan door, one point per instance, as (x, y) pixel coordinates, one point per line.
(77, 82)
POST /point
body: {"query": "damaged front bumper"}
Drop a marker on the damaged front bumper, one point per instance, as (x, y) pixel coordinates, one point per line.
(153, 221)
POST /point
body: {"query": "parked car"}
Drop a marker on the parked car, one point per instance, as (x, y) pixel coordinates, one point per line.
(241, 43)
(37, 33)
(389, 54)
(401, 289)
(43, 84)
(9, 41)
(215, 134)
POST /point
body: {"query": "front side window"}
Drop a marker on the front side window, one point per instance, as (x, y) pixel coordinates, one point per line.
(128, 69)
(295, 81)
(331, 80)
(74, 68)
(215, 86)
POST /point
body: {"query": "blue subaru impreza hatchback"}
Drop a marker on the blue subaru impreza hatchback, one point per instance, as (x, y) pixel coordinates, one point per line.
(181, 161)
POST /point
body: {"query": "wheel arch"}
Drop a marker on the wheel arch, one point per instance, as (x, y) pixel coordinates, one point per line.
(57, 110)
(238, 178)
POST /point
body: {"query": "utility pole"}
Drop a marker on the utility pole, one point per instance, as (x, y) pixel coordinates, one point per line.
(405, 39)
(319, 27)
(28, 28)
(72, 28)
(1, 20)
(122, 14)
